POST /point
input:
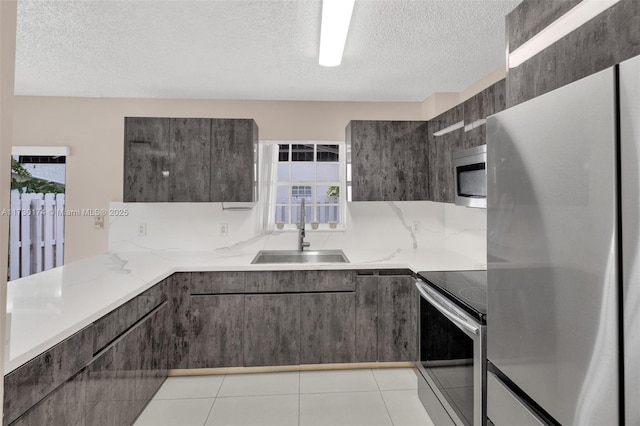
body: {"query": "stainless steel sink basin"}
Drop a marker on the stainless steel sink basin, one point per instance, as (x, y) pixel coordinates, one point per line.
(294, 256)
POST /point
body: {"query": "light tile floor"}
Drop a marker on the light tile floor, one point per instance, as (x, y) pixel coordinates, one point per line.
(324, 398)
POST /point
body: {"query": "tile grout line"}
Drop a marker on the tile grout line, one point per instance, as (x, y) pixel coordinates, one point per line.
(299, 395)
(257, 395)
(215, 398)
(341, 392)
(382, 397)
(375, 379)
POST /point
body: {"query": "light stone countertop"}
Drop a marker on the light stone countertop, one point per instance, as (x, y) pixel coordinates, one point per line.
(48, 307)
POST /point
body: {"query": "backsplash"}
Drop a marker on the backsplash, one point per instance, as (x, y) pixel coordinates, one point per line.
(385, 227)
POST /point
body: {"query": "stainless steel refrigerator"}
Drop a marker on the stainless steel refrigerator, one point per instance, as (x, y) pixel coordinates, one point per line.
(563, 324)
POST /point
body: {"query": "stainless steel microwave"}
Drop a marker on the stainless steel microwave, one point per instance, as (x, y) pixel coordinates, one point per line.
(470, 177)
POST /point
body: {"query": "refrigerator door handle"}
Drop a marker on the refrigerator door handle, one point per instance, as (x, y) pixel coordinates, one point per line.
(452, 313)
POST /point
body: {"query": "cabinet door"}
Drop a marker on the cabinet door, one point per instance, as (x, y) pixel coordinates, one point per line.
(271, 329)
(126, 374)
(63, 406)
(389, 160)
(146, 159)
(232, 159)
(474, 112)
(477, 108)
(328, 328)
(190, 159)
(180, 326)
(366, 318)
(397, 318)
(441, 149)
(153, 365)
(215, 339)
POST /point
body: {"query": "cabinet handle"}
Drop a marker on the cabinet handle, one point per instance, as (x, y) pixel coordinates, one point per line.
(165, 173)
(455, 315)
(139, 141)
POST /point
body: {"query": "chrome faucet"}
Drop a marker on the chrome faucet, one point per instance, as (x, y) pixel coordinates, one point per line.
(301, 233)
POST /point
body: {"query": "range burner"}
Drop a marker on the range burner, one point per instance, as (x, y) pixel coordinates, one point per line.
(474, 294)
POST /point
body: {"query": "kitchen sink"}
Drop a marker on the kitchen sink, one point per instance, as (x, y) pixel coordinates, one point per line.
(294, 256)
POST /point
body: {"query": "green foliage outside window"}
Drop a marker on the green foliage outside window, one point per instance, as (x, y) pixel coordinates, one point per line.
(22, 180)
(333, 191)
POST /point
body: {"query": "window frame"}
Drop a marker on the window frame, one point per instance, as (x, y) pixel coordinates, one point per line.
(341, 182)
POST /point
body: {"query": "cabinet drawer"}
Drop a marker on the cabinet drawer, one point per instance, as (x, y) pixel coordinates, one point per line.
(504, 408)
(29, 383)
(116, 322)
(217, 282)
(299, 281)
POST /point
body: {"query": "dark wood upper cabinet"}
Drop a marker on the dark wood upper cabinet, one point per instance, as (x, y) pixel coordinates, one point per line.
(413, 160)
(388, 160)
(146, 159)
(190, 160)
(190, 147)
(446, 136)
(478, 108)
(605, 40)
(233, 143)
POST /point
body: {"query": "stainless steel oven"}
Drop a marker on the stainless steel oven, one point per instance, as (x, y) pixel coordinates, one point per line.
(452, 347)
(470, 177)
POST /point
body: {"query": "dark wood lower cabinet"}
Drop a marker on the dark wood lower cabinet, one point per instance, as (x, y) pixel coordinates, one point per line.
(152, 365)
(366, 318)
(397, 318)
(107, 373)
(116, 386)
(271, 329)
(123, 379)
(112, 382)
(215, 338)
(328, 328)
(64, 406)
(179, 331)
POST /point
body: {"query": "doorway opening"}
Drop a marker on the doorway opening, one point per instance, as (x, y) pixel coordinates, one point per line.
(37, 211)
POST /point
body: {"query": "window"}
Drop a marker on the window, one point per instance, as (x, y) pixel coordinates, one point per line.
(313, 172)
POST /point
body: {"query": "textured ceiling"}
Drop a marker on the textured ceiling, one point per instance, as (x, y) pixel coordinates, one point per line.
(402, 50)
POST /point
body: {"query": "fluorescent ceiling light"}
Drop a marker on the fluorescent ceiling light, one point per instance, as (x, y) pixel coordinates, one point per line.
(579, 15)
(336, 17)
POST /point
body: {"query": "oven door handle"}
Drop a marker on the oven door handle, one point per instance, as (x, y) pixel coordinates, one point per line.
(452, 313)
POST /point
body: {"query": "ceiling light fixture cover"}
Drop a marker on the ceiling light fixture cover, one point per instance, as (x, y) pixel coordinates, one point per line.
(336, 18)
(574, 18)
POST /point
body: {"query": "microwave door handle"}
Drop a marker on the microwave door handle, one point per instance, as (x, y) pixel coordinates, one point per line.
(444, 310)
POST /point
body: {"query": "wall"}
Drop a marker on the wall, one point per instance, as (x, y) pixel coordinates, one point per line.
(437, 103)
(7, 67)
(477, 87)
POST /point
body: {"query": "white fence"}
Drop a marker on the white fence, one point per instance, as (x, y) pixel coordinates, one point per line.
(36, 233)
